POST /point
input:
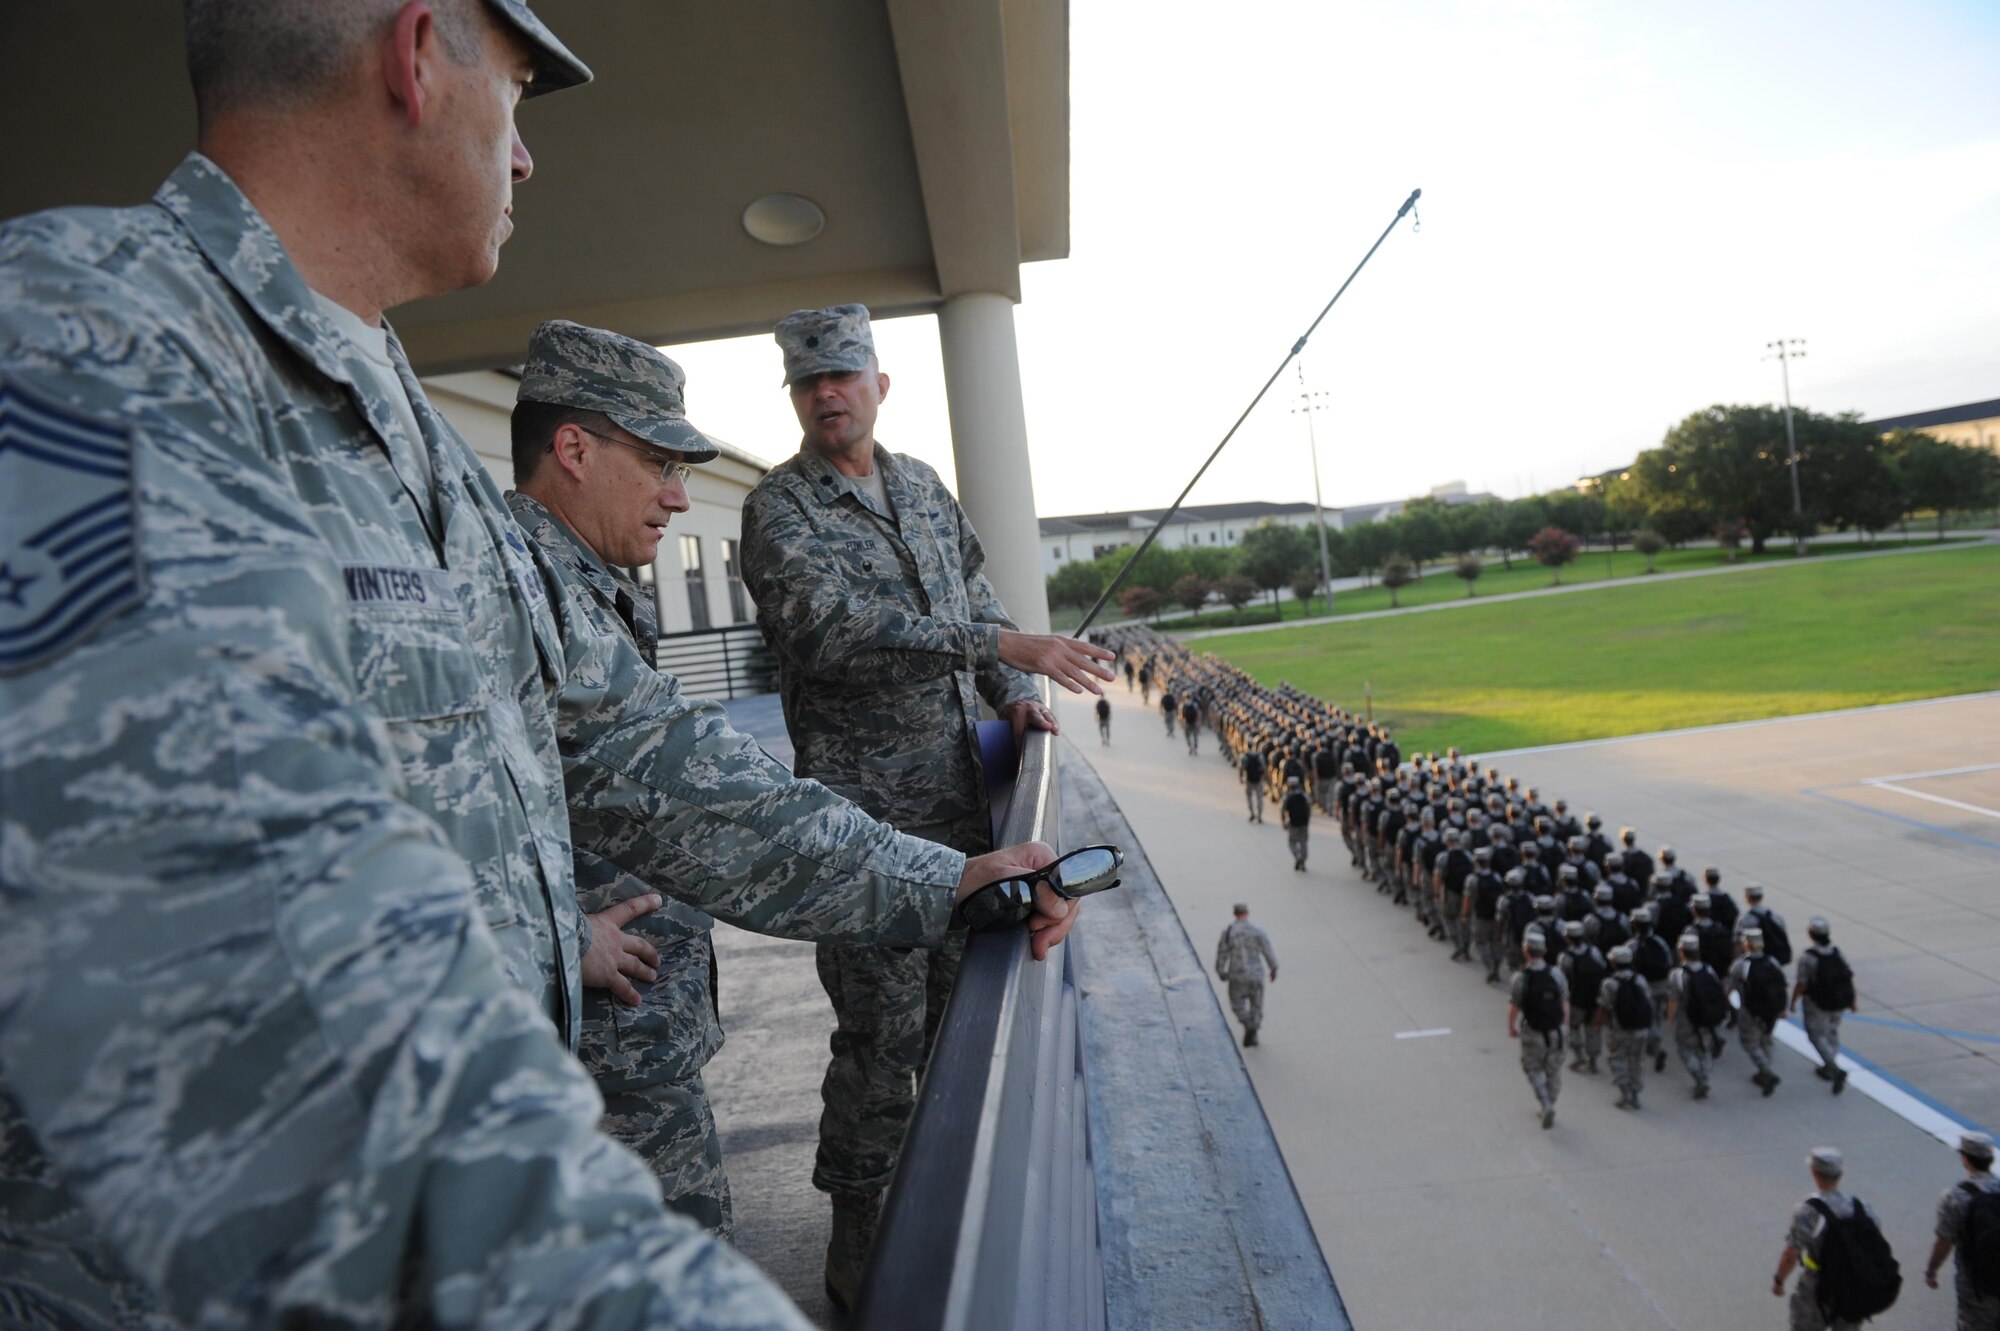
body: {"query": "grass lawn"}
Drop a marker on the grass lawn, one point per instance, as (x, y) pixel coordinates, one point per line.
(1624, 660)
(1440, 585)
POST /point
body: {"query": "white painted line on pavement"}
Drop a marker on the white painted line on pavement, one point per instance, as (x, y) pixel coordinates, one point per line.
(1891, 1097)
(1925, 776)
(1979, 809)
(1423, 1035)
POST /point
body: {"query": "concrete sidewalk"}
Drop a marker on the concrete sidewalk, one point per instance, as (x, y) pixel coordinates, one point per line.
(1399, 1102)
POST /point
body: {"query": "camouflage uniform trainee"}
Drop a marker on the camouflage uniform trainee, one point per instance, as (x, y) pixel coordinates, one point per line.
(887, 635)
(1976, 1311)
(1690, 1041)
(302, 757)
(1822, 1024)
(1752, 1031)
(1541, 1052)
(1808, 1230)
(647, 1060)
(1243, 956)
(1627, 1048)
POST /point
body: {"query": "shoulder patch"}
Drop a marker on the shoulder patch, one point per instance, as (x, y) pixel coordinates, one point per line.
(69, 547)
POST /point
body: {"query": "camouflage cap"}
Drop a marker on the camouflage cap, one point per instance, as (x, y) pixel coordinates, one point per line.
(1826, 1161)
(555, 67)
(815, 341)
(641, 390)
(1976, 1146)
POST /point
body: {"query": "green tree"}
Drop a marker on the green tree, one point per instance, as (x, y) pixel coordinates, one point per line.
(1398, 572)
(1305, 585)
(1139, 602)
(1519, 521)
(1469, 567)
(1470, 527)
(1853, 482)
(1078, 583)
(1269, 554)
(1424, 531)
(1192, 592)
(1734, 463)
(1368, 545)
(1648, 543)
(1553, 547)
(1236, 589)
(1943, 477)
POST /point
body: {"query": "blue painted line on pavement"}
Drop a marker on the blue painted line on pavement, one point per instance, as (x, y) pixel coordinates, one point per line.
(1901, 1085)
(1946, 1031)
(1904, 819)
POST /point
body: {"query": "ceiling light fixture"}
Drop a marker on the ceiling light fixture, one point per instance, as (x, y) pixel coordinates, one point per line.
(783, 219)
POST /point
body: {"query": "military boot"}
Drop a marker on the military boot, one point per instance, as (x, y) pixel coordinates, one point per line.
(854, 1222)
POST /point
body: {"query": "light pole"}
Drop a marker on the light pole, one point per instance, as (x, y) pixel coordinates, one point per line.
(1786, 350)
(1308, 404)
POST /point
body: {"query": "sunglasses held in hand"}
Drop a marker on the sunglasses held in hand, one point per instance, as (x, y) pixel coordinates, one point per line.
(1012, 900)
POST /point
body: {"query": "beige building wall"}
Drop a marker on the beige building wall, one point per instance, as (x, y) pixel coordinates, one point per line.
(479, 404)
(1981, 433)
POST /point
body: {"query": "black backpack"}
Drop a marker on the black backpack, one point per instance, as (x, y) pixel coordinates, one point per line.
(1764, 991)
(1612, 930)
(1520, 914)
(1253, 767)
(1858, 1274)
(1587, 972)
(1632, 1010)
(1777, 943)
(1652, 958)
(1979, 1238)
(1832, 987)
(1542, 1001)
(1701, 992)
(1486, 896)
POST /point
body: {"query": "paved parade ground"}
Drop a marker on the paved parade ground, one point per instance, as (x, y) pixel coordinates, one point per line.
(1398, 1099)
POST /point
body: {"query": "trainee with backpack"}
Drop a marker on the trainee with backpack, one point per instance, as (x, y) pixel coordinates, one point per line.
(1697, 1005)
(1847, 1274)
(1759, 982)
(1825, 986)
(1537, 1012)
(1968, 1230)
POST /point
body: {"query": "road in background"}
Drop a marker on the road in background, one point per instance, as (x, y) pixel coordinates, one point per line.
(1398, 1099)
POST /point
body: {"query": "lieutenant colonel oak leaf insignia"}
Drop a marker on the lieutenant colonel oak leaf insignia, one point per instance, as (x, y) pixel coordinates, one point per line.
(69, 547)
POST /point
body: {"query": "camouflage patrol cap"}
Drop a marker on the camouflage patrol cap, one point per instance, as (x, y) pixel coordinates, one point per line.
(1621, 955)
(1826, 1162)
(555, 67)
(1976, 1146)
(641, 390)
(815, 341)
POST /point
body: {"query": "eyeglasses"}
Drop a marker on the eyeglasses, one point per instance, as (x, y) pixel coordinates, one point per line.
(670, 470)
(1012, 900)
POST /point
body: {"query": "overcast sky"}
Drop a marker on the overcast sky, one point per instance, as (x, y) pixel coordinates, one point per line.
(1622, 204)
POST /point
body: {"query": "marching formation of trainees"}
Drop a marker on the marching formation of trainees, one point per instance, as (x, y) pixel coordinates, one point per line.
(1608, 951)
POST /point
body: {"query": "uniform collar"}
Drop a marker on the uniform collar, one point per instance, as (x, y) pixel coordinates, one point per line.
(829, 483)
(229, 231)
(532, 514)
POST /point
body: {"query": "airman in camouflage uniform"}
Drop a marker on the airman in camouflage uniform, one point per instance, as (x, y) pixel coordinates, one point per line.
(594, 411)
(870, 588)
(1243, 955)
(1978, 1310)
(287, 698)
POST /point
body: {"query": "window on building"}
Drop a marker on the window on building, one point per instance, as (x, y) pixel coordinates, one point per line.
(697, 588)
(732, 569)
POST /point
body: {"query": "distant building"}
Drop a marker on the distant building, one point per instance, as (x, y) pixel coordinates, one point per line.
(697, 579)
(1087, 536)
(1976, 423)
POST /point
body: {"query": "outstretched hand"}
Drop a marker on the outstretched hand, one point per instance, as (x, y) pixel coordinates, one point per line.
(615, 954)
(1054, 915)
(1071, 662)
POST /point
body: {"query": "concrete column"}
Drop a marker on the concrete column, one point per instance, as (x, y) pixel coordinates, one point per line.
(989, 440)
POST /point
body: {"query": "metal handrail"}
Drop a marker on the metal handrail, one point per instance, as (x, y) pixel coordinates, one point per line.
(991, 1221)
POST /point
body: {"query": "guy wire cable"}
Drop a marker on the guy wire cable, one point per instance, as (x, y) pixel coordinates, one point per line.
(1298, 346)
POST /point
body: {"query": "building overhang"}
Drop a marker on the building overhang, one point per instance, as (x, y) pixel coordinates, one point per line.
(935, 139)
